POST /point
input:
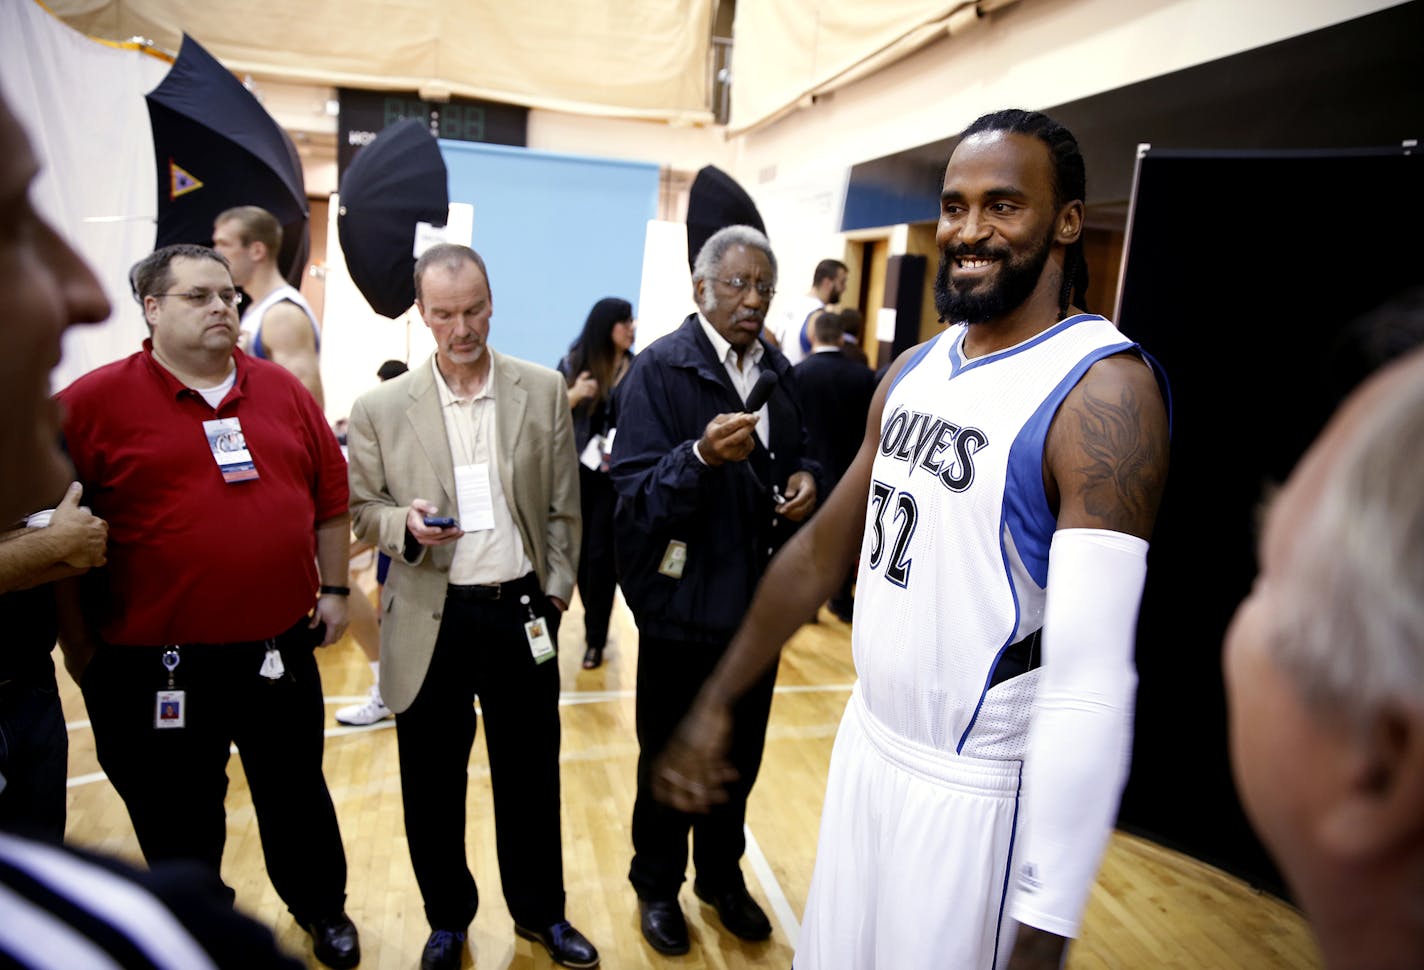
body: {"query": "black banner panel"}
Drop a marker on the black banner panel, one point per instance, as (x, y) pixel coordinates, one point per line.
(1236, 282)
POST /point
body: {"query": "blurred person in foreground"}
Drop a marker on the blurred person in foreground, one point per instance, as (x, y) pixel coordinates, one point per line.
(68, 907)
(1324, 666)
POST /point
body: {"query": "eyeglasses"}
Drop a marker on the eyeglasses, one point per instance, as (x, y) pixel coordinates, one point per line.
(201, 298)
(764, 290)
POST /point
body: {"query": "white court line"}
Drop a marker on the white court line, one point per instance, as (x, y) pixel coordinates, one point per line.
(759, 865)
(88, 779)
(814, 688)
(342, 730)
(573, 697)
(762, 870)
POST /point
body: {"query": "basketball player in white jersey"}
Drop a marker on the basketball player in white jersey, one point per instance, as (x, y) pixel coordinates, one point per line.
(792, 329)
(279, 325)
(1005, 492)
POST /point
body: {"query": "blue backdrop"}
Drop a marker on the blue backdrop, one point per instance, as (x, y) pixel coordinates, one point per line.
(557, 233)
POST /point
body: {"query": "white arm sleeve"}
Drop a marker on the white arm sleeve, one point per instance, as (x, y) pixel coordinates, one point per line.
(1080, 743)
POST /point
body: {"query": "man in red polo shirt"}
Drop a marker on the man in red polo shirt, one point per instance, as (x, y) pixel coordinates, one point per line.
(225, 493)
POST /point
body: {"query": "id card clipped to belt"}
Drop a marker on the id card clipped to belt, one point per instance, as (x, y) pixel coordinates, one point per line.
(541, 645)
(170, 708)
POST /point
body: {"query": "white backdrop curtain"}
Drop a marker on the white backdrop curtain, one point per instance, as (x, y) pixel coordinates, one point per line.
(630, 58)
(82, 105)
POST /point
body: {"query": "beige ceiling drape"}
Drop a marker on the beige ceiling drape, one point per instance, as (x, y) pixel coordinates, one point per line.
(788, 51)
(623, 58)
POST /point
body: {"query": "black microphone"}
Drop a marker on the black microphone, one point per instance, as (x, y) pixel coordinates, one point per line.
(761, 391)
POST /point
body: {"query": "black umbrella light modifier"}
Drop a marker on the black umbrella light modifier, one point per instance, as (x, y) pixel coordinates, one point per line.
(716, 201)
(393, 185)
(216, 147)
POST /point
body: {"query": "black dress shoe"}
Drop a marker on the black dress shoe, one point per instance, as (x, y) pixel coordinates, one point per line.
(663, 926)
(738, 912)
(445, 950)
(592, 658)
(334, 941)
(566, 945)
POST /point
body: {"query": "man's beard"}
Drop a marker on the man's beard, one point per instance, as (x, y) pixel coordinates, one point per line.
(1016, 281)
(467, 356)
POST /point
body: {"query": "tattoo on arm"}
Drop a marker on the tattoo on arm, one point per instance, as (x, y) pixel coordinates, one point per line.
(1123, 459)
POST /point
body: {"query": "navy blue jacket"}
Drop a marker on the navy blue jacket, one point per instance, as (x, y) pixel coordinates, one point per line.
(724, 515)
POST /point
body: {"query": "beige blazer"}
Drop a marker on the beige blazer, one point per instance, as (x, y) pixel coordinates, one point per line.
(399, 451)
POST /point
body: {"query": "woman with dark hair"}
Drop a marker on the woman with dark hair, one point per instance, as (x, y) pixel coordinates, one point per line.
(594, 365)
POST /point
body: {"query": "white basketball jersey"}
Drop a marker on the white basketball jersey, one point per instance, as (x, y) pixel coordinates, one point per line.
(954, 564)
(251, 324)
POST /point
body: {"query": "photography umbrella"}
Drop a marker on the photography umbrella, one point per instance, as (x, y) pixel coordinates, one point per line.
(395, 182)
(715, 202)
(217, 147)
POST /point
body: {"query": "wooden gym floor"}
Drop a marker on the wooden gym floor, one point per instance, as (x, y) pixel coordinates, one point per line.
(1150, 908)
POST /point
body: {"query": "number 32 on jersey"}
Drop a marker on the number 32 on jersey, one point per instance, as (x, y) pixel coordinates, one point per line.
(902, 512)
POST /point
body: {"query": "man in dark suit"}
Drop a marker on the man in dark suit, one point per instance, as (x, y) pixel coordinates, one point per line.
(472, 607)
(707, 492)
(834, 391)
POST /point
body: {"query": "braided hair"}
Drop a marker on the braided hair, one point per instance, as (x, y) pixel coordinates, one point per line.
(1070, 183)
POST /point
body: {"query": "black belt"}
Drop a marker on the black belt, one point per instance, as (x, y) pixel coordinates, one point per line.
(511, 590)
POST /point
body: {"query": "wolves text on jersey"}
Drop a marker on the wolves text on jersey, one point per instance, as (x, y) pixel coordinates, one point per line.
(940, 447)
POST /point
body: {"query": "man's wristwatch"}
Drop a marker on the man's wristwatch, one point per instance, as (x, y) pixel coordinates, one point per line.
(335, 591)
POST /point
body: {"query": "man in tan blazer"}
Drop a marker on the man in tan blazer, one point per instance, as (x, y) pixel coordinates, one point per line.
(463, 471)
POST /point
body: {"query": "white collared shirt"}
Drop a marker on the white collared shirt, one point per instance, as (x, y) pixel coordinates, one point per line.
(495, 555)
(743, 375)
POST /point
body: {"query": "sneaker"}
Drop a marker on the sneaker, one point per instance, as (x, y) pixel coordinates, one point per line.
(359, 715)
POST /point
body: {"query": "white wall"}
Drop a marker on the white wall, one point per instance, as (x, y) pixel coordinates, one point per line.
(1033, 54)
(678, 147)
(82, 106)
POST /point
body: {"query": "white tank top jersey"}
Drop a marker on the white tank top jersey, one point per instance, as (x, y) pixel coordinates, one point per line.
(940, 598)
(790, 327)
(251, 324)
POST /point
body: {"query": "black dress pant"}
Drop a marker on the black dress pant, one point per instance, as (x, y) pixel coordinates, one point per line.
(597, 574)
(174, 780)
(34, 755)
(670, 673)
(481, 651)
